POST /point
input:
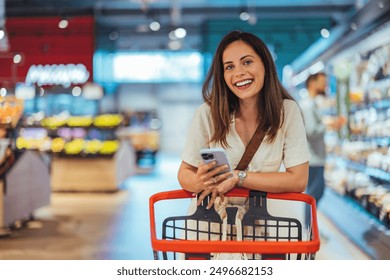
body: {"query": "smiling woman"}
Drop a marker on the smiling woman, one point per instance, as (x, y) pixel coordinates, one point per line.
(242, 95)
(244, 99)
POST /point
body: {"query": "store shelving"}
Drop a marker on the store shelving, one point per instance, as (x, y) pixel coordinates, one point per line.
(357, 170)
(360, 226)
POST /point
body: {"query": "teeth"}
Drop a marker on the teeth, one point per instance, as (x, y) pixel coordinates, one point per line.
(243, 83)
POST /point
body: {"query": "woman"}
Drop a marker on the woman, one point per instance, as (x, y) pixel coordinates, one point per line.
(242, 91)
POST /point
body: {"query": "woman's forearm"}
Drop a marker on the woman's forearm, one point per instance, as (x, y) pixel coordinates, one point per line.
(187, 178)
(292, 180)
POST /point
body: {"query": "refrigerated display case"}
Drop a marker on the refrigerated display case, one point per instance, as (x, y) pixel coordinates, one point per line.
(358, 164)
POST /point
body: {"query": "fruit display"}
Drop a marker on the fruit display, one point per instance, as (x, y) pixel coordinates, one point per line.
(79, 121)
(64, 120)
(92, 146)
(41, 144)
(74, 147)
(57, 145)
(69, 134)
(109, 147)
(108, 120)
(53, 122)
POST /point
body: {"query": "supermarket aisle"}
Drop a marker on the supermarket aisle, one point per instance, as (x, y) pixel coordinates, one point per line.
(116, 225)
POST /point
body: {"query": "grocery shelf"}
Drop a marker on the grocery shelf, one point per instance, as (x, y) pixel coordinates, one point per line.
(361, 227)
(382, 104)
(379, 140)
(373, 172)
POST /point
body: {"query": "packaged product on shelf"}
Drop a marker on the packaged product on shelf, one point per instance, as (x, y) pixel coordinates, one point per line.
(384, 213)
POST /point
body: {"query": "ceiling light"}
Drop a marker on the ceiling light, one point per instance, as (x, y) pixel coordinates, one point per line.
(244, 16)
(17, 58)
(3, 92)
(63, 24)
(154, 26)
(180, 33)
(325, 33)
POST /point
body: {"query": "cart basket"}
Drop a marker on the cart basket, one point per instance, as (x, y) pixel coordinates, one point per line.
(263, 236)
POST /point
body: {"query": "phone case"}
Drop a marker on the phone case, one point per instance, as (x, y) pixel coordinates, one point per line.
(218, 154)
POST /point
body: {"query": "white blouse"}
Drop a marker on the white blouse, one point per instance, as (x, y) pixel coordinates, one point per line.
(289, 148)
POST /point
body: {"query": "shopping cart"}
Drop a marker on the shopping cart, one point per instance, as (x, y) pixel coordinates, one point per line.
(263, 236)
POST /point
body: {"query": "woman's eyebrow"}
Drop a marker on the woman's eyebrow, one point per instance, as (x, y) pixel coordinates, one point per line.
(242, 58)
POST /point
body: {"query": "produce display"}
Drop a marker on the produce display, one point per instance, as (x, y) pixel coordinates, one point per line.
(65, 135)
(74, 135)
(108, 120)
(77, 146)
(57, 144)
(63, 120)
(109, 147)
(42, 144)
(53, 122)
(74, 147)
(80, 121)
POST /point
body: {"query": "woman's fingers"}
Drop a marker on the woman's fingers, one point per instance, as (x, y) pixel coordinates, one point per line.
(220, 178)
(214, 195)
(202, 196)
(220, 169)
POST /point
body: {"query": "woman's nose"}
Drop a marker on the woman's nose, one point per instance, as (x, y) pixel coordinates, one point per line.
(240, 71)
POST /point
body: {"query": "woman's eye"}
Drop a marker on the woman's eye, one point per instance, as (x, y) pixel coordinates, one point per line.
(248, 62)
(228, 67)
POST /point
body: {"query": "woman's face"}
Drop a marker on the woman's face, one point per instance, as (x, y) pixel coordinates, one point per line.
(243, 70)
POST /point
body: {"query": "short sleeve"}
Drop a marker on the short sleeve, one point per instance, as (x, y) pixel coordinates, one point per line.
(198, 136)
(296, 150)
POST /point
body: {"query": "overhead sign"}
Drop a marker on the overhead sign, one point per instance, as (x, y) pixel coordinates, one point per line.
(57, 74)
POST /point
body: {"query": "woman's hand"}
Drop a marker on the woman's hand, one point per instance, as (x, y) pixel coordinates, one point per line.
(227, 185)
(214, 184)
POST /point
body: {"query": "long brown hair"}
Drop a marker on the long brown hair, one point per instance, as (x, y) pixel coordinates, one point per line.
(223, 102)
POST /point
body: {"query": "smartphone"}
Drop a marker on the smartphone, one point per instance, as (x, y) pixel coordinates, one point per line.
(215, 154)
